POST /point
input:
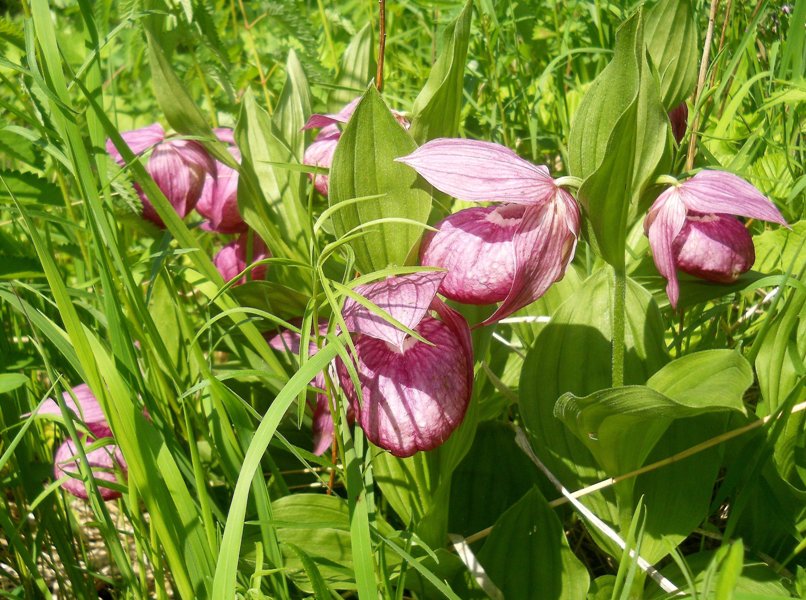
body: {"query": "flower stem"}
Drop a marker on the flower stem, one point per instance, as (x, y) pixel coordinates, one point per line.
(706, 54)
(381, 43)
(618, 326)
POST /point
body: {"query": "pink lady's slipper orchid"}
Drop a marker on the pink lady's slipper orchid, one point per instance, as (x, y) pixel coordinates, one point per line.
(232, 260)
(102, 460)
(178, 167)
(510, 253)
(320, 152)
(413, 395)
(690, 227)
(218, 202)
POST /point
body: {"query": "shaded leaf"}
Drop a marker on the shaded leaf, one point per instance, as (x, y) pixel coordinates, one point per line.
(672, 41)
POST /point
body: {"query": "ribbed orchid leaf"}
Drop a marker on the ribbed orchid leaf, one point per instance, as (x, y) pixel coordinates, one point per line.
(269, 194)
(438, 106)
(364, 165)
(618, 142)
(294, 107)
(356, 69)
(579, 334)
(481, 172)
(672, 41)
(528, 551)
(406, 298)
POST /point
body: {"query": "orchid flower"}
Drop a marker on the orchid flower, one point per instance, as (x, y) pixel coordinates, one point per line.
(690, 228)
(103, 461)
(510, 253)
(320, 152)
(178, 167)
(218, 202)
(414, 395)
(232, 260)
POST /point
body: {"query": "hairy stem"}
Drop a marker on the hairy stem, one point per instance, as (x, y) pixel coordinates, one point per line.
(618, 326)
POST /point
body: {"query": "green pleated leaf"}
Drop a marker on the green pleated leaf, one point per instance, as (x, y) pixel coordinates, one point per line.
(438, 106)
(268, 193)
(618, 142)
(363, 165)
(294, 107)
(672, 41)
(356, 70)
(493, 476)
(527, 552)
(572, 354)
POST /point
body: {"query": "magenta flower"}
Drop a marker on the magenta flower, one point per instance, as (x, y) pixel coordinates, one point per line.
(413, 395)
(103, 462)
(178, 167)
(690, 228)
(320, 152)
(510, 253)
(232, 260)
(218, 202)
(85, 408)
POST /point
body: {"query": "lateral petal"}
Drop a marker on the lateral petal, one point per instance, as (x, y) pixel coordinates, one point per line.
(480, 171)
(663, 224)
(85, 407)
(406, 298)
(138, 140)
(102, 462)
(723, 192)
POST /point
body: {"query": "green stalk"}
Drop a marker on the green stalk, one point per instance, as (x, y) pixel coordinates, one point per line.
(618, 326)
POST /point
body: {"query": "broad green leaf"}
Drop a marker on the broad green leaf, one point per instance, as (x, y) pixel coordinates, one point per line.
(572, 354)
(672, 41)
(294, 107)
(356, 70)
(711, 379)
(11, 381)
(781, 372)
(438, 106)
(268, 193)
(527, 551)
(493, 476)
(618, 142)
(363, 165)
(22, 146)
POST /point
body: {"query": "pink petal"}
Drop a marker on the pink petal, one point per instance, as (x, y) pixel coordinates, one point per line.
(665, 220)
(322, 427)
(231, 259)
(544, 244)
(85, 408)
(323, 120)
(475, 246)
(289, 341)
(138, 140)
(225, 134)
(414, 397)
(480, 171)
(714, 247)
(102, 462)
(406, 298)
(218, 201)
(722, 192)
(320, 154)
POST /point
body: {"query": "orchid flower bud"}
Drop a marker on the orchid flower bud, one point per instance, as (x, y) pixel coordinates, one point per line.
(511, 253)
(178, 167)
(231, 260)
(218, 202)
(103, 462)
(690, 228)
(678, 117)
(320, 152)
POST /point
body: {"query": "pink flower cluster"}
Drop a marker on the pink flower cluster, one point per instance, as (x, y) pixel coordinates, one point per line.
(190, 179)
